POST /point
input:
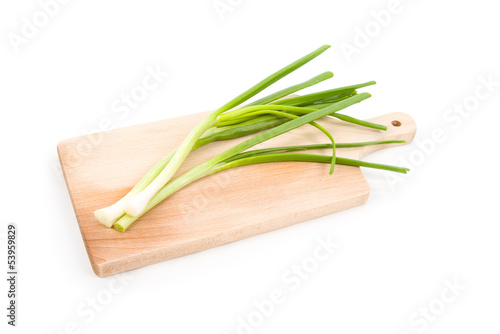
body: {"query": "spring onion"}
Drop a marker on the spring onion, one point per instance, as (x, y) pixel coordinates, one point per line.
(274, 114)
(237, 127)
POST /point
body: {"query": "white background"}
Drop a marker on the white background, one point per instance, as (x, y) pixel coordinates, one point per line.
(396, 252)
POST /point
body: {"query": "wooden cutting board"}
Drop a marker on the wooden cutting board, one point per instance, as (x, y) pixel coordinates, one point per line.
(231, 205)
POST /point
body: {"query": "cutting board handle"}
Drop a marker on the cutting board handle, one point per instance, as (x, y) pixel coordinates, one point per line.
(400, 126)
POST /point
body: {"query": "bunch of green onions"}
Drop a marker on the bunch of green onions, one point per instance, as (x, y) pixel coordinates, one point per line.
(274, 113)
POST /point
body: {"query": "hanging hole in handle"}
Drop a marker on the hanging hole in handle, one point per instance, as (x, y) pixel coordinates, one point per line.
(396, 123)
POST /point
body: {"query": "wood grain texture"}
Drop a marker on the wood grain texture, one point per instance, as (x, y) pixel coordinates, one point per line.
(225, 207)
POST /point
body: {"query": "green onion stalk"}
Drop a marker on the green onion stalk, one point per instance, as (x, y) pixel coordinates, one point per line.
(237, 123)
(276, 114)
